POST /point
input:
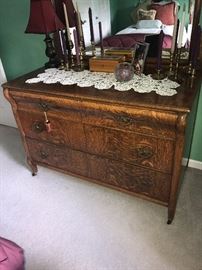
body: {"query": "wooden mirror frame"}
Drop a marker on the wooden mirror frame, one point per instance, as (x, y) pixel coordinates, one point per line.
(196, 21)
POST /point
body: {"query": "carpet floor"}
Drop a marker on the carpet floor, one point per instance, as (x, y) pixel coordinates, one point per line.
(64, 223)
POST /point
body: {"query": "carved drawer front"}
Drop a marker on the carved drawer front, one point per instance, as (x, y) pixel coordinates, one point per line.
(62, 131)
(141, 121)
(154, 153)
(150, 152)
(114, 173)
(36, 103)
(58, 157)
(128, 177)
(161, 124)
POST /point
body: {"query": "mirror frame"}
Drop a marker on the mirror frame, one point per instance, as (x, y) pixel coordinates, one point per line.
(196, 21)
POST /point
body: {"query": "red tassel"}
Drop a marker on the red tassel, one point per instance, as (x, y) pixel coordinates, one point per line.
(48, 126)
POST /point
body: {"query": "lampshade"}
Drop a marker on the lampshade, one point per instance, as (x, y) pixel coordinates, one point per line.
(43, 19)
(70, 11)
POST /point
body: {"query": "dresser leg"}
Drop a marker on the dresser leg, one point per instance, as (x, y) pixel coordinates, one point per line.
(33, 166)
(169, 221)
(171, 214)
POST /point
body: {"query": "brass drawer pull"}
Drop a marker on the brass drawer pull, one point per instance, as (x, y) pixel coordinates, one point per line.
(38, 127)
(44, 106)
(125, 119)
(144, 152)
(43, 154)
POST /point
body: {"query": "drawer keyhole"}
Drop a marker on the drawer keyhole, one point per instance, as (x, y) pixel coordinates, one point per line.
(44, 106)
(125, 119)
(43, 154)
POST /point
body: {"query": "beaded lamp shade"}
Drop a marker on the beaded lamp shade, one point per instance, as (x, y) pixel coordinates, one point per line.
(70, 11)
(43, 19)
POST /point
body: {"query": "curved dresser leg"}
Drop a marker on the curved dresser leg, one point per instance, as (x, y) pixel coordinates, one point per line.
(169, 221)
(33, 166)
(171, 214)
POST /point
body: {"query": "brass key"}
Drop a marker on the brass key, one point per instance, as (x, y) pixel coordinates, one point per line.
(47, 123)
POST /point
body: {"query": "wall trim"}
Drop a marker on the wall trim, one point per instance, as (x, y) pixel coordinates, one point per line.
(193, 163)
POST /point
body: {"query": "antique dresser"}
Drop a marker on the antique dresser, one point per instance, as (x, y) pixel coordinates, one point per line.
(125, 140)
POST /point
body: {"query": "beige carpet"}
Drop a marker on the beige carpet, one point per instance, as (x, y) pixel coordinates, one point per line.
(64, 223)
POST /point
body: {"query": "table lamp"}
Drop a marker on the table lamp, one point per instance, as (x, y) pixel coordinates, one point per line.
(43, 20)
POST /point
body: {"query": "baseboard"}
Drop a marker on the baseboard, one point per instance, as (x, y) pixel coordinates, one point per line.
(192, 163)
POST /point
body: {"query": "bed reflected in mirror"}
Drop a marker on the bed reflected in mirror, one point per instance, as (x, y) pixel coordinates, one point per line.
(145, 20)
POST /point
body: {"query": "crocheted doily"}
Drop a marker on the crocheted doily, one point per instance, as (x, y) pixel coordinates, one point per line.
(101, 80)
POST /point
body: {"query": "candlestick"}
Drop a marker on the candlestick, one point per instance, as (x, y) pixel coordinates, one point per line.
(189, 68)
(71, 57)
(66, 22)
(82, 53)
(76, 45)
(74, 5)
(160, 46)
(177, 63)
(61, 42)
(64, 62)
(159, 75)
(91, 25)
(101, 39)
(78, 17)
(181, 28)
(92, 38)
(171, 72)
(197, 47)
(174, 30)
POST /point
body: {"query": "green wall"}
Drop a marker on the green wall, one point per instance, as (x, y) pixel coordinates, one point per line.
(113, 11)
(196, 151)
(21, 53)
(120, 13)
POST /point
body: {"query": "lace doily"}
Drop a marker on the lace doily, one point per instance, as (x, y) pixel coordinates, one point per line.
(101, 80)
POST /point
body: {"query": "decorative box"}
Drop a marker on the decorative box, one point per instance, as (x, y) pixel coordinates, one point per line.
(128, 53)
(104, 63)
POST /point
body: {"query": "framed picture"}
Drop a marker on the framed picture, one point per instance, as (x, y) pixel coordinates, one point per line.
(141, 51)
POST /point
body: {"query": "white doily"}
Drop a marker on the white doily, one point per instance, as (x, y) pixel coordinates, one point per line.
(101, 80)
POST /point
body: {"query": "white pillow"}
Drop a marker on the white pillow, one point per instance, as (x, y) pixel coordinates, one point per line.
(148, 24)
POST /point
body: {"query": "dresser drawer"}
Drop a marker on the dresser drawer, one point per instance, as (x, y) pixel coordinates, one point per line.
(135, 179)
(56, 106)
(114, 173)
(147, 151)
(139, 120)
(58, 157)
(144, 121)
(62, 132)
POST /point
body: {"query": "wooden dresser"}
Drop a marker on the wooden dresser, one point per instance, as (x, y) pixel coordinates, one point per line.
(129, 141)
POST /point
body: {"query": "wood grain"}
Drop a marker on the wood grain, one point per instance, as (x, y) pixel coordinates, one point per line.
(125, 140)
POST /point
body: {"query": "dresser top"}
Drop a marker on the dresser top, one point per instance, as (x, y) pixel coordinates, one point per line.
(181, 102)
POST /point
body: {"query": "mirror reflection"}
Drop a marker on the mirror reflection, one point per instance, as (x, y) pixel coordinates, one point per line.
(145, 20)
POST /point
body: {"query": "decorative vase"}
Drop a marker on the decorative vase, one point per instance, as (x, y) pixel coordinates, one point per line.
(124, 72)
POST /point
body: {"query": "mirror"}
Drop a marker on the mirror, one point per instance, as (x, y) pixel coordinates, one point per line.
(164, 13)
(126, 33)
(192, 19)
